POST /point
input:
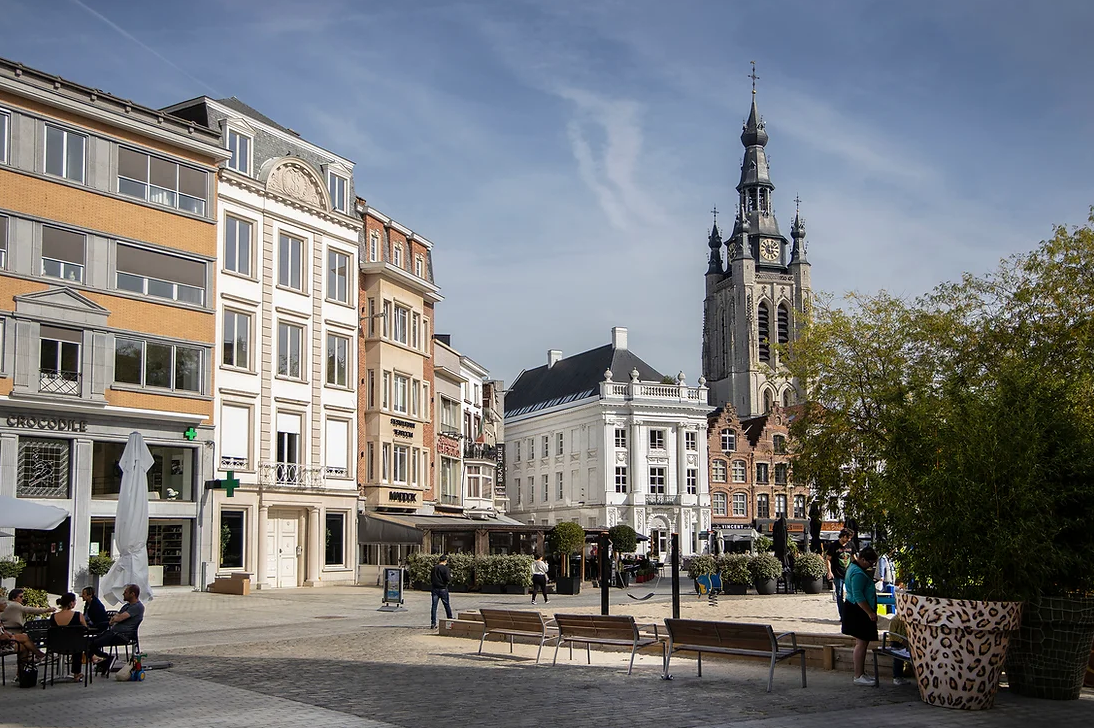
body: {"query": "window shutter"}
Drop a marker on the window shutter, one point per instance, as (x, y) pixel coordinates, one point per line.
(336, 443)
(235, 427)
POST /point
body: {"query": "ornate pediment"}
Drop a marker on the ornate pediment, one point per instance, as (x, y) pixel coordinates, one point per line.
(61, 304)
(296, 179)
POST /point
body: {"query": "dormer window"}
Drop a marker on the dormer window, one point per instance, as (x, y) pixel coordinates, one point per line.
(337, 186)
(397, 255)
(419, 266)
(240, 147)
(373, 246)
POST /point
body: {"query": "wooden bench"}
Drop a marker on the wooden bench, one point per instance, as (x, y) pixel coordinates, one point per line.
(596, 629)
(730, 638)
(517, 623)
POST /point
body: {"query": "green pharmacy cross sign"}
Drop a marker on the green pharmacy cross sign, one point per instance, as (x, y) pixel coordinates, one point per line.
(190, 433)
(229, 484)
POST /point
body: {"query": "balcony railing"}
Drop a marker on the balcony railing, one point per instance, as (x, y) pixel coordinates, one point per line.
(58, 381)
(230, 462)
(450, 499)
(659, 499)
(650, 390)
(480, 451)
(292, 474)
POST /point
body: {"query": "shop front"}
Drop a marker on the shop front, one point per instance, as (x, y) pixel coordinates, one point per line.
(69, 458)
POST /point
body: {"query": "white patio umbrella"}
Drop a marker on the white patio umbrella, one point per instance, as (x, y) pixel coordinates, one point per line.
(130, 525)
(19, 513)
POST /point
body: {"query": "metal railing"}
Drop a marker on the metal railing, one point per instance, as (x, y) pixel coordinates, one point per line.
(58, 381)
(658, 499)
(229, 462)
(451, 499)
(480, 451)
(298, 474)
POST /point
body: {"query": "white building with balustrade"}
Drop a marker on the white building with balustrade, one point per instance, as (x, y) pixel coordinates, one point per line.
(286, 378)
(599, 439)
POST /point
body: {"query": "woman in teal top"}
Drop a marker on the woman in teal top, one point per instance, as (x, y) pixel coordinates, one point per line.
(859, 619)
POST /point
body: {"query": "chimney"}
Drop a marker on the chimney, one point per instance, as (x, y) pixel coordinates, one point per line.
(553, 357)
(619, 338)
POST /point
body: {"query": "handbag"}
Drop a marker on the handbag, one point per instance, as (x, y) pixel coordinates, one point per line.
(28, 675)
(124, 674)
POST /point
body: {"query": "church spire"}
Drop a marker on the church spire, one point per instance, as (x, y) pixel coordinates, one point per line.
(755, 186)
(797, 231)
(715, 244)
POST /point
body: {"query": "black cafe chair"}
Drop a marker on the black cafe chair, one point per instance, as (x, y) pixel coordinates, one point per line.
(64, 644)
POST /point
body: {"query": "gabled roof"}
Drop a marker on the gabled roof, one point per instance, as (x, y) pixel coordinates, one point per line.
(573, 378)
(233, 103)
(754, 428)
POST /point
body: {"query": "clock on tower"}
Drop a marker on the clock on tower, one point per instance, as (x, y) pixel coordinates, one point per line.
(770, 250)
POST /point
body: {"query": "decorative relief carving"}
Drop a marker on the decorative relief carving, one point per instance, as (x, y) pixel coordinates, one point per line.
(658, 461)
(621, 458)
(613, 517)
(296, 181)
(640, 517)
(693, 459)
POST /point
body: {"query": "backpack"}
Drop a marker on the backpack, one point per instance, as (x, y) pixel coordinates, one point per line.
(28, 675)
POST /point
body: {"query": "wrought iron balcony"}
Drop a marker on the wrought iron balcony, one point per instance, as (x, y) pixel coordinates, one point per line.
(58, 381)
(230, 462)
(291, 474)
(480, 451)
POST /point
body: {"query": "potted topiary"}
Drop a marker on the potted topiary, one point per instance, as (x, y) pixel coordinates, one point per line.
(736, 576)
(765, 570)
(564, 540)
(810, 569)
(98, 566)
(624, 540)
(10, 569)
(517, 573)
(762, 544)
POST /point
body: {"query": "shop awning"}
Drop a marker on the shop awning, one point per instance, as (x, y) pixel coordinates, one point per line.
(373, 528)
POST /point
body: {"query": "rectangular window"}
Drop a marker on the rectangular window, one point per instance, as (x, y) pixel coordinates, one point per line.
(657, 480)
(290, 255)
(374, 246)
(729, 441)
(401, 324)
(450, 481)
(397, 255)
(620, 437)
(740, 505)
(780, 505)
(237, 340)
(718, 503)
(161, 181)
(43, 468)
(531, 491)
(763, 506)
(399, 463)
(718, 471)
(231, 539)
(780, 473)
(5, 123)
(385, 461)
(387, 319)
(419, 266)
(59, 361)
(691, 440)
(335, 539)
(415, 396)
(235, 437)
(290, 342)
(692, 481)
(558, 483)
(370, 461)
(151, 364)
(386, 394)
(337, 276)
(450, 415)
(415, 324)
(657, 439)
(739, 471)
(415, 458)
(546, 446)
(778, 444)
(516, 489)
(799, 506)
(240, 147)
(63, 254)
(337, 360)
(3, 242)
(546, 488)
(516, 452)
(559, 441)
(401, 393)
(372, 317)
(237, 245)
(621, 479)
(531, 448)
(474, 481)
(337, 186)
(761, 472)
(151, 273)
(371, 388)
(65, 153)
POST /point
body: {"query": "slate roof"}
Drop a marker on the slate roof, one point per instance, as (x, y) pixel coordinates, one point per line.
(573, 378)
(233, 103)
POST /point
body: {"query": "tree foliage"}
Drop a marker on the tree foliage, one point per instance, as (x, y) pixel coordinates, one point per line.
(624, 539)
(961, 422)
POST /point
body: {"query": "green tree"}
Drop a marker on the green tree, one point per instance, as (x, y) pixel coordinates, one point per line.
(565, 539)
(623, 538)
(961, 422)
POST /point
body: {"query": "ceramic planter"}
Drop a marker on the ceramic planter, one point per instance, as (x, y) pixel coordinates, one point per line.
(958, 647)
(1048, 656)
(766, 586)
(812, 586)
(735, 589)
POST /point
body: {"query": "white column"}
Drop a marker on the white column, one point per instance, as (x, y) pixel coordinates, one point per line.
(260, 547)
(681, 460)
(314, 545)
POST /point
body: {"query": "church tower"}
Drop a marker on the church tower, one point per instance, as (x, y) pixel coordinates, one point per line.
(758, 297)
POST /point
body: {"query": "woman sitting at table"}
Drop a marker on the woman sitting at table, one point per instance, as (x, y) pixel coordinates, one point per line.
(67, 616)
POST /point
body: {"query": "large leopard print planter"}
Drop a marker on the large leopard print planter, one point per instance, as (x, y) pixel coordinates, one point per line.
(958, 647)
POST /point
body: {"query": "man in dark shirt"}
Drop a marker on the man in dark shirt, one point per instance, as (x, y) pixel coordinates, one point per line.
(94, 610)
(123, 627)
(838, 556)
(438, 581)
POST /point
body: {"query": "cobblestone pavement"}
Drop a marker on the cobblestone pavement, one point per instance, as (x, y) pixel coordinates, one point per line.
(274, 660)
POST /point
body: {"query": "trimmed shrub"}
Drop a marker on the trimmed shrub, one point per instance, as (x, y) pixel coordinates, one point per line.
(734, 569)
(624, 539)
(99, 565)
(701, 566)
(764, 567)
(12, 567)
(809, 566)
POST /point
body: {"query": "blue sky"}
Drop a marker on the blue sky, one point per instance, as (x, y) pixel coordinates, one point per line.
(564, 156)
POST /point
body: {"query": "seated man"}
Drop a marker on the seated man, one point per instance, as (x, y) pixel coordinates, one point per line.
(122, 629)
(94, 610)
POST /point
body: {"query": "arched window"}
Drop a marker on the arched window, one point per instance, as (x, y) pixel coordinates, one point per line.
(740, 505)
(784, 324)
(786, 397)
(767, 400)
(739, 471)
(764, 319)
(718, 471)
(729, 441)
(718, 501)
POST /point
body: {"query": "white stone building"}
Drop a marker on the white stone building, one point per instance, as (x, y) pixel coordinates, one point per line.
(598, 439)
(285, 395)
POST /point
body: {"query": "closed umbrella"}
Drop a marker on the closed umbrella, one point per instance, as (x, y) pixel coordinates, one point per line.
(130, 525)
(778, 533)
(19, 513)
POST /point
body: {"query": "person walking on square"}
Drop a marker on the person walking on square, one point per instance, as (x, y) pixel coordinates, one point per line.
(438, 582)
(539, 578)
(838, 556)
(859, 618)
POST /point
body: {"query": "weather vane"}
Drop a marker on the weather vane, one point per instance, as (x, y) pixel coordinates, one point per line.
(753, 76)
(715, 211)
